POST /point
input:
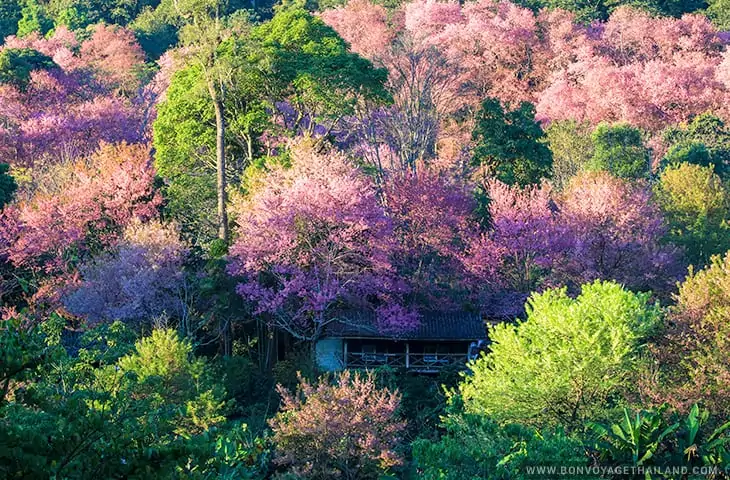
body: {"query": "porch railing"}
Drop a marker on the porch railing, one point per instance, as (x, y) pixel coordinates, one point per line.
(427, 362)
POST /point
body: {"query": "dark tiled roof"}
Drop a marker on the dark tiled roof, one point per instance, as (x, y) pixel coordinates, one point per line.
(433, 326)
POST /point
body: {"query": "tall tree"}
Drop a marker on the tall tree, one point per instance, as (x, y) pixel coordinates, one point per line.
(313, 240)
(315, 72)
(696, 206)
(203, 33)
(509, 143)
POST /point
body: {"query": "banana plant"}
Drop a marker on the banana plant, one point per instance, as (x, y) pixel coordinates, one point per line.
(696, 446)
(637, 440)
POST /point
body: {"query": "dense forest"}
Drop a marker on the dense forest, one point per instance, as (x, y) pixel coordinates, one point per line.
(194, 194)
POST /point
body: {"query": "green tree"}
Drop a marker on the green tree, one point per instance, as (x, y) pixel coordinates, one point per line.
(7, 185)
(567, 362)
(703, 141)
(696, 206)
(116, 409)
(33, 18)
(294, 57)
(314, 69)
(619, 149)
(184, 139)
(154, 32)
(10, 13)
(204, 32)
(692, 351)
(509, 143)
(719, 12)
(187, 131)
(572, 147)
(75, 14)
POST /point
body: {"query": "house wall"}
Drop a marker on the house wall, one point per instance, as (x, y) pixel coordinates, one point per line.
(329, 353)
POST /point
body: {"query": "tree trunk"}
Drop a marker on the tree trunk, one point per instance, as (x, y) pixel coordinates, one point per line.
(220, 156)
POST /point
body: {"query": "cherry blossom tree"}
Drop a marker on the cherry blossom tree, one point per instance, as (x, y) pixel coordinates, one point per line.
(87, 210)
(525, 241)
(432, 224)
(139, 280)
(345, 429)
(66, 112)
(648, 71)
(364, 25)
(616, 233)
(312, 240)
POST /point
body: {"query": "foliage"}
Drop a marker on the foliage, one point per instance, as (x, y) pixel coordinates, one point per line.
(509, 143)
(184, 140)
(619, 149)
(704, 141)
(692, 351)
(314, 69)
(8, 186)
(346, 429)
(696, 205)
(567, 362)
(475, 447)
(10, 13)
(718, 12)
(118, 409)
(572, 147)
(140, 281)
(423, 397)
(647, 439)
(33, 18)
(185, 133)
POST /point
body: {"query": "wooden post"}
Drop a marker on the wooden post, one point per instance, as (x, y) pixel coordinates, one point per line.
(344, 358)
(408, 355)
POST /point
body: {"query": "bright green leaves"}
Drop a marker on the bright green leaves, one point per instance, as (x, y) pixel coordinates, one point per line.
(565, 362)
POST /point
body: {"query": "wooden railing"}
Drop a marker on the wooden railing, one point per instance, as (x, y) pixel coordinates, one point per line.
(425, 362)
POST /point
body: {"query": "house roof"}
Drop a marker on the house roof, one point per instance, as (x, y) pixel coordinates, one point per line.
(432, 326)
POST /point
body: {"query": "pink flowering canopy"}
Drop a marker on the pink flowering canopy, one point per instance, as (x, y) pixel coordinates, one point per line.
(312, 242)
(66, 112)
(139, 280)
(645, 70)
(94, 201)
(617, 234)
(432, 224)
(525, 241)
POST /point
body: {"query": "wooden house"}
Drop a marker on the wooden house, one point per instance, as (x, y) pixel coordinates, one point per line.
(441, 340)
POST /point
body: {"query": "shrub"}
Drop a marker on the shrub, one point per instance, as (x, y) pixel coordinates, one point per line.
(345, 429)
(693, 351)
(567, 362)
(476, 447)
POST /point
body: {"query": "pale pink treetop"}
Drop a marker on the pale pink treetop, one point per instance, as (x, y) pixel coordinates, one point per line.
(97, 199)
